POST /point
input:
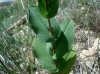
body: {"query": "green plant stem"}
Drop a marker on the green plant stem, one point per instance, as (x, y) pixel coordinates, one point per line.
(51, 31)
(53, 43)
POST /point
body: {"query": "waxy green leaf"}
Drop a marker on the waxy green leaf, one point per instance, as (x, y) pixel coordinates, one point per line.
(46, 60)
(65, 41)
(48, 8)
(41, 27)
(69, 59)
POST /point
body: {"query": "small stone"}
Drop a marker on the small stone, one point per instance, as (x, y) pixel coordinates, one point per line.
(83, 8)
(96, 44)
(84, 72)
(82, 56)
(85, 52)
(44, 72)
(92, 51)
(36, 72)
(86, 32)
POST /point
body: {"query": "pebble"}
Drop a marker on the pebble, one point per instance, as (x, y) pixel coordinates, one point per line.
(36, 72)
(82, 56)
(89, 52)
(85, 52)
(92, 51)
(96, 45)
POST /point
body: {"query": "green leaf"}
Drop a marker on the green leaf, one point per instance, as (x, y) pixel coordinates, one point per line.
(39, 49)
(69, 31)
(41, 27)
(56, 28)
(70, 58)
(48, 8)
(39, 24)
(61, 46)
(65, 41)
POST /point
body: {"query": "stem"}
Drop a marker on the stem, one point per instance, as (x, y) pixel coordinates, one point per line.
(51, 31)
(53, 43)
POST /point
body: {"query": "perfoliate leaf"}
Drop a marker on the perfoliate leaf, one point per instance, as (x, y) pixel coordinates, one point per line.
(48, 8)
(65, 41)
(69, 59)
(41, 27)
(46, 60)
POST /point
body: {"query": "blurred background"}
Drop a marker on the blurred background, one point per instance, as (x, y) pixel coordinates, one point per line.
(16, 35)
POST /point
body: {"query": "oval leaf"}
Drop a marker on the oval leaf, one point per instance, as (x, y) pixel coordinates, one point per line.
(39, 49)
(56, 28)
(70, 58)
(65, 41)
(48, 8)
(40, 25)
(69, 31)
